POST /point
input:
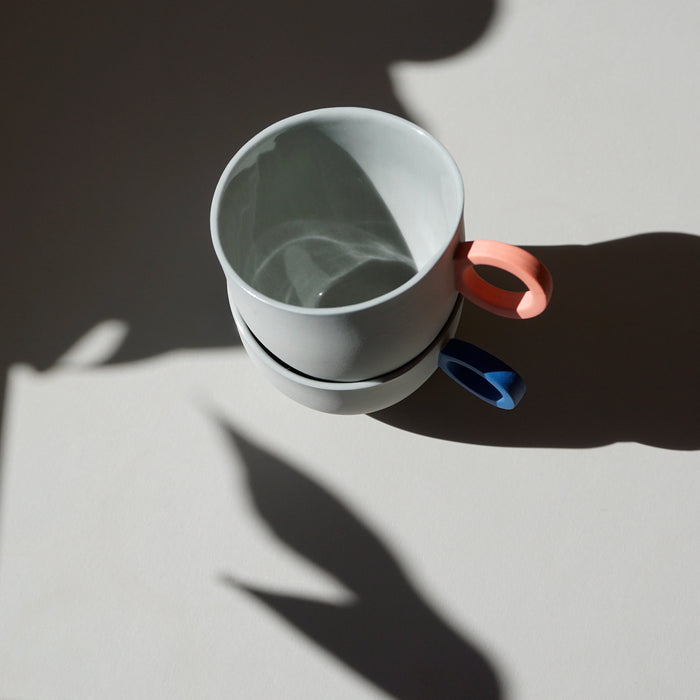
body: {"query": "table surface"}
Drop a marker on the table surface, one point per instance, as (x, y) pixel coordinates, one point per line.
(174, 527)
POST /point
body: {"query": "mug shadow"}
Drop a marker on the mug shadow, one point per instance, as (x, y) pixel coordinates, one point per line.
(387, 633)
(613, 359)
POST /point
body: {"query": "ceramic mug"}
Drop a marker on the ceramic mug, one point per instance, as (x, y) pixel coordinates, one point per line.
(340, 232)
(475, 370)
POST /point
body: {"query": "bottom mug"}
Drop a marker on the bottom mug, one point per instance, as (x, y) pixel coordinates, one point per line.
(476, 370)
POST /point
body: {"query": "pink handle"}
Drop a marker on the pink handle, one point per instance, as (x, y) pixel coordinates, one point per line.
(525, 266)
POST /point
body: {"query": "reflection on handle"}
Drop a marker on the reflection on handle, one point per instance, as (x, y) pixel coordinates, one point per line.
(482, 374)
(525, 266)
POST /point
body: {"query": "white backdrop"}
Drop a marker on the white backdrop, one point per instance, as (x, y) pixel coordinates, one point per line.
(173, 527)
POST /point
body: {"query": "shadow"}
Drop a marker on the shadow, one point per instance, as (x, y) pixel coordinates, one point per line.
(123, 118)
(388, 633)
(118, 119)
(613, 359)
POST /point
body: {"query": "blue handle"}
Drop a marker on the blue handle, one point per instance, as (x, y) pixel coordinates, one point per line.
(482, 374)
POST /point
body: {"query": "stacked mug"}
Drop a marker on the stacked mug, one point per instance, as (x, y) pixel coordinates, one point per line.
(340, 232)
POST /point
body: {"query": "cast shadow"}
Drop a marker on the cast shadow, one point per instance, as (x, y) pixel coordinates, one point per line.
(388, 633)
(613, 359)
(118, 119)
(118, 122)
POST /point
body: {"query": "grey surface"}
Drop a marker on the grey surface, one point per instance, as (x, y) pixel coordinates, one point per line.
(173, 527)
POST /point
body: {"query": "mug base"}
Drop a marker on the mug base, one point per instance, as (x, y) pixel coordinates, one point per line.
(347, 398)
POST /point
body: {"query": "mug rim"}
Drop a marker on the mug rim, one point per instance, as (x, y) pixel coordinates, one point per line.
(316, 115)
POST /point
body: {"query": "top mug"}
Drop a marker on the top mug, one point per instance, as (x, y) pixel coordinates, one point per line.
(340, 232)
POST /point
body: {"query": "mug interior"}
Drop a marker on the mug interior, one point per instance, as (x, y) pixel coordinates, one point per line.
(335, 207)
